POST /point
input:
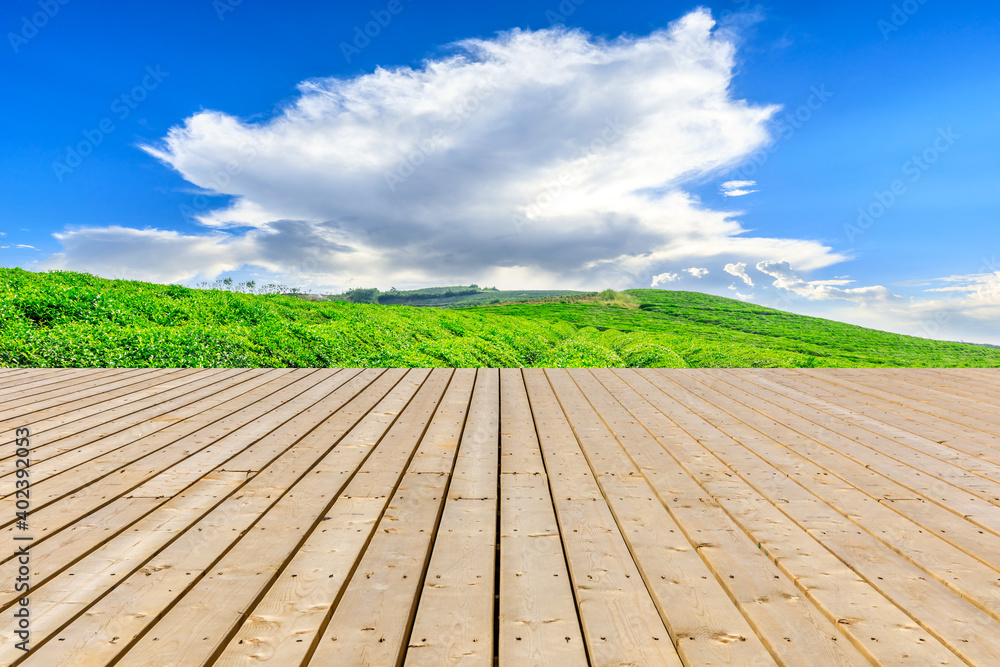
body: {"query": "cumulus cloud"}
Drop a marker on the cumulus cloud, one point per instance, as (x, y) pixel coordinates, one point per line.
(785, 278)
(740, 271)
(697, 272)
(535, 158)
(738, 188)
(664, 278)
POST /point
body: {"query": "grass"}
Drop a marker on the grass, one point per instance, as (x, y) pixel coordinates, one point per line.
(65, 319)
(459, 296)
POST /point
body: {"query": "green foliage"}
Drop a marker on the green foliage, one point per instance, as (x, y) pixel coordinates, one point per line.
(248, 287)
(77, 320)
(457, 296)
(362, 295)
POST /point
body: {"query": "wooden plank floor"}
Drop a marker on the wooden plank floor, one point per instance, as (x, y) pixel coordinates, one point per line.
(512, 517)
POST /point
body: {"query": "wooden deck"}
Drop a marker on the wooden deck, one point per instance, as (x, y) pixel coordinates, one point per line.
(417, 517)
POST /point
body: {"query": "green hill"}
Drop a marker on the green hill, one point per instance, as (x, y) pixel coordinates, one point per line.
(456, 296)
(72, 319)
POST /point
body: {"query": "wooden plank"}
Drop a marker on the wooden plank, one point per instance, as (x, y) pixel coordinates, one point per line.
(10, 374)
(964, 387)
(876, 625)
(68, 382)
(933, 384)
(220, 601)
(792, 628)
(54, 454)
(454, 619)
(884, 394)
(7, 372)
(476, 469)
(130, 550)
(967, 521)
(63, 498)
(799, 494)
(30, 379)
(60, 548)
(370, 624)
(979, 415)
(116, 621)
(538, 624)
(88, 393)
(802, 512)
(621, 624)
(704, 624)
(926, 466)
(54, 411)
(371, 621)
(178, 470)
(135, 403)
(966, 453)
(796, 628)
(987, 374)
(55, 429)
(68, 594)
(520, 452)
(907, 417)
(286, 622)
(945, 419)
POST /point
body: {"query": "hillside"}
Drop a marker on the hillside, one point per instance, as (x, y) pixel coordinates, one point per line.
(456, 296)
(72, 319)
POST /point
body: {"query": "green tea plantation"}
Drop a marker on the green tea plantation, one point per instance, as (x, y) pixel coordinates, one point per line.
(64, 319)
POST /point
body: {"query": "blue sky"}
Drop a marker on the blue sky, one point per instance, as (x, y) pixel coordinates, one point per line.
(416, 157)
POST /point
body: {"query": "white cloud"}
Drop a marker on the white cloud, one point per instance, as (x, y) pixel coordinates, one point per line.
(168, 256)
(975, 296)
(664, 278)
(738, 188)
(524, 160)
(785, 278)
(697, 272)
(740, 271)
